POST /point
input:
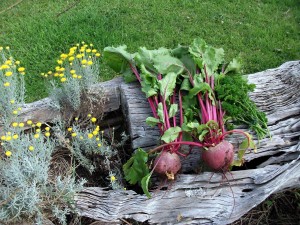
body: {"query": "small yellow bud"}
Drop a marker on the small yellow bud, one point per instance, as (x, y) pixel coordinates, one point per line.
(94, 119)
(21, 69)
(90, 136)
(38, 130)
(31, 148)
(6, 84)
(36, 135)
(74, 134)
(21, 124)
(8, 73)
(47, 134)
(15, 136)
(29, 122)
(38, 124)
(98, 54)
(90, 63)
(99, 145)
(47, 128)
(95, 132)
(8, 153)
(15, 124)
(15, 112)
(12, 101)
(112, 178)
(72, 71)
(70, 129)
(63, 79)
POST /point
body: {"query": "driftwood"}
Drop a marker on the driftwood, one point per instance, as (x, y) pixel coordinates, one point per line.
(204, 198)
(211, 198)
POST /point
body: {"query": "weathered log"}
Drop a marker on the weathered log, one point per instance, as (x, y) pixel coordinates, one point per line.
(205, 198)
(210, 198)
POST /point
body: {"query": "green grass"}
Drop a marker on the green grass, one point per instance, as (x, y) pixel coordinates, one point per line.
(265, 33)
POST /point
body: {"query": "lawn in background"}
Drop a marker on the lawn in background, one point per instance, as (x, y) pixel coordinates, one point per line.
(265, 33)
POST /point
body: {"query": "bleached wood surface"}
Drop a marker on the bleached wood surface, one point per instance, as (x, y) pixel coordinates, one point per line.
(208, 198)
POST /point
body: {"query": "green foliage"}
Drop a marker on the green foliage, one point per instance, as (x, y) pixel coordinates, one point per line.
(136, 168)
(265, 33)
(171, 134)
(233, 92)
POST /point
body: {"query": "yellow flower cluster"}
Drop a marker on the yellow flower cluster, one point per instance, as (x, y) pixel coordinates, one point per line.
(71, 64)
(9, 66)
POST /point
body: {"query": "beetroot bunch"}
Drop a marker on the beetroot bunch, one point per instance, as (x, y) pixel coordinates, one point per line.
(186, 95)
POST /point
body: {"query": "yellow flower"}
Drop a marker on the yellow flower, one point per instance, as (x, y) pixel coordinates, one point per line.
(74, 134)
(8, 62)
(21, 124)
(29, 122)
(88, 50)
(19, 108)
(12, 101)
(70, 129)
(63, 56)
(63, 79)
(98, 54)
(15, 112)
(15, 136)
(6, 84)
(1, 48)
(90, 63)
(99, 145)
(38, 130)
(8, 73)
(8, 133)
(31, 148)
(7, 47)
(38, 124)
(79, 77)
(71, 58)
(62, 69)
(47, 128)
(59, 62)
(84, 61)
(74, 76)
(76, 119)
(49, 72)
(17, 62)
(56, 74)
(14, 124)
(8, 153)
(94, 119)
(97, 128)
(61, 75)
(3, 138)
(21, 69)
(112, 178)
(95, 132)
(79, 56)
(72, 71)
(89, 115)
(8, 138)
(90, 136)
(47, 134)
(97, 139)
(81, 137)
(4, 67)
(36, 135)
(94, 51)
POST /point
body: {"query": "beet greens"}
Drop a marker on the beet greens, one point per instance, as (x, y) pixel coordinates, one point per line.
(191, 99)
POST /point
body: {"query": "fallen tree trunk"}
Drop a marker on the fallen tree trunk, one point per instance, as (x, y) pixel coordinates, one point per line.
(205, 198)
(209, 198)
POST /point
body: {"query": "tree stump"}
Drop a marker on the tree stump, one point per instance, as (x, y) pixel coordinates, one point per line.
(204, 198)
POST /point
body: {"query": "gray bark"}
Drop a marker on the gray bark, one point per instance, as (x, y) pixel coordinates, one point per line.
(211, 198)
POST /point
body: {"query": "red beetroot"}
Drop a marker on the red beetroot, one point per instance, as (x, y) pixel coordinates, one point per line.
(168, 164)
(220, 156)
